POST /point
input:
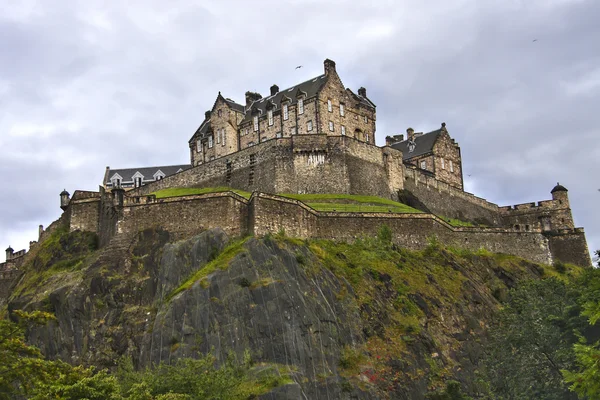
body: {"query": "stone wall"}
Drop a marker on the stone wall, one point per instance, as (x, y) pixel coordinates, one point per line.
(570, 246)
(297, 164)
(188, 215)
(84, 214)
(448, 201)
(545, 215)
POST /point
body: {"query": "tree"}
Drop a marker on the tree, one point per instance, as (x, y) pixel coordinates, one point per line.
(533, 340)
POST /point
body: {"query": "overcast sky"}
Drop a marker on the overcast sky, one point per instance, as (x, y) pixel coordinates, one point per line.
(86, 84)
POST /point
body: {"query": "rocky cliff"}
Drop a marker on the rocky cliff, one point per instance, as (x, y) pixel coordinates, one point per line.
(364, 320)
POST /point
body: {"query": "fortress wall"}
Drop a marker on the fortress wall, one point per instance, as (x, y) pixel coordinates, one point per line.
(413, 232)
(85, 214)
(448, 201)
(188, 215)
(297, 164)
(571, 247)
(270, 214)
(545, 215)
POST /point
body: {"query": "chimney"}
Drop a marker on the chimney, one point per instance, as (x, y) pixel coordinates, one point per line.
(444, 127)
(9, 253)
(329, 66)
(389, 141)
(274, 90)
(410, 133)
(207, 115)
(362, 92)
(40, 231)
(252, 97)
(399, 138)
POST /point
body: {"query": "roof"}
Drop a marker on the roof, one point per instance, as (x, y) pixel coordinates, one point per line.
(202, 130)
(309, 88)
(64, 193)
(559, 188)
(10, 249)
(424, 144)
(148, 172)
(363, 100)
(235, 106)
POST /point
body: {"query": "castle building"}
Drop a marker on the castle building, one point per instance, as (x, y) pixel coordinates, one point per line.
(130, 178)
(318, 137)
(434, 152)
(320, 105)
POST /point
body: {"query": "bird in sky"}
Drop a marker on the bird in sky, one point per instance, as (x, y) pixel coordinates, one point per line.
(299, 66)
(534, 40)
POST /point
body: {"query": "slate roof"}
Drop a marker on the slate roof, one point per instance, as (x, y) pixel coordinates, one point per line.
(559, 188)
(310, 88)
(202, 130)
(235, 106)
(147, 172)
(424, 145)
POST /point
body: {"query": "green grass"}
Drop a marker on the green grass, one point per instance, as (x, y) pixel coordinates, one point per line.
(351, 203)
(458, 222)
(220, 262)
(186, 191)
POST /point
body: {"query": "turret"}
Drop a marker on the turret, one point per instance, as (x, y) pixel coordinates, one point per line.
(9, 253)
(65, 198)
(559, 192)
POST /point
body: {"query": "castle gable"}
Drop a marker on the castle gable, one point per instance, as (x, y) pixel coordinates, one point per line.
(423, 144)
(149, 174)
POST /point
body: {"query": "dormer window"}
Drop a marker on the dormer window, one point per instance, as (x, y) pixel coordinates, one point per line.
(270, 117)
(158, 175)
(255, 119)
(329, 106)
(300, 106)
(138, 181)
(342, 111)
(286, 114)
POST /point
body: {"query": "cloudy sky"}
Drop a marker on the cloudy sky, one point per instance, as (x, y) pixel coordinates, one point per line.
(86, 84)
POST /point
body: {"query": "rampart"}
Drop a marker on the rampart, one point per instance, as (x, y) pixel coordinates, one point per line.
(266, 213)
(298, 164)
(443, 199)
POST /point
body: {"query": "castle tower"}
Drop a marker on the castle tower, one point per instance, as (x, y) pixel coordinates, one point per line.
(64, 199)
(562, 218)
(559, 192)
(9, 253)
(118, 196)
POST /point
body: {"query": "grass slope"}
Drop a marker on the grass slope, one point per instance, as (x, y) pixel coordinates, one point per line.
(185, 191)
(351, 203)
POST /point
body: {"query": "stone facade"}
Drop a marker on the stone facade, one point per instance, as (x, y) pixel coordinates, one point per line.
(318, 106)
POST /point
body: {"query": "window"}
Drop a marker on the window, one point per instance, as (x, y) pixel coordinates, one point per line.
(331, 126)
(246, 131)
(250, 144)
(210, 142)
(343, 130)
(443, 164)
(159, 177)
(212, 158)
(300, 106)
(309, 126)
(264, 139)
(138, 181)
(222, 136)
(218, 136)
(286, 115)
(278, 134)
(367, 137)
(366, 119)
(423, 164)
(116, 182)
(329, 106)
(451, 167)
(256, 123)
(198, 146)
(219, 113)
(342, 111)
(270, 114)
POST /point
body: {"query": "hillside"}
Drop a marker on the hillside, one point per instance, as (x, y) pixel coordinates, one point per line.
(363, 320)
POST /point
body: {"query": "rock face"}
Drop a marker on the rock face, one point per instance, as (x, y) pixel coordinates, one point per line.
(398, 326)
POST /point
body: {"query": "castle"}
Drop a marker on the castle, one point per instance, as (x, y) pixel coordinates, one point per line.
(318, 137)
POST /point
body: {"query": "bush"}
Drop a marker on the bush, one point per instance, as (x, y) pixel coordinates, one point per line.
(384, 234)
(560, 267)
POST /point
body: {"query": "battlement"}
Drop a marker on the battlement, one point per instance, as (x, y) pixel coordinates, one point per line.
(544, 204)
